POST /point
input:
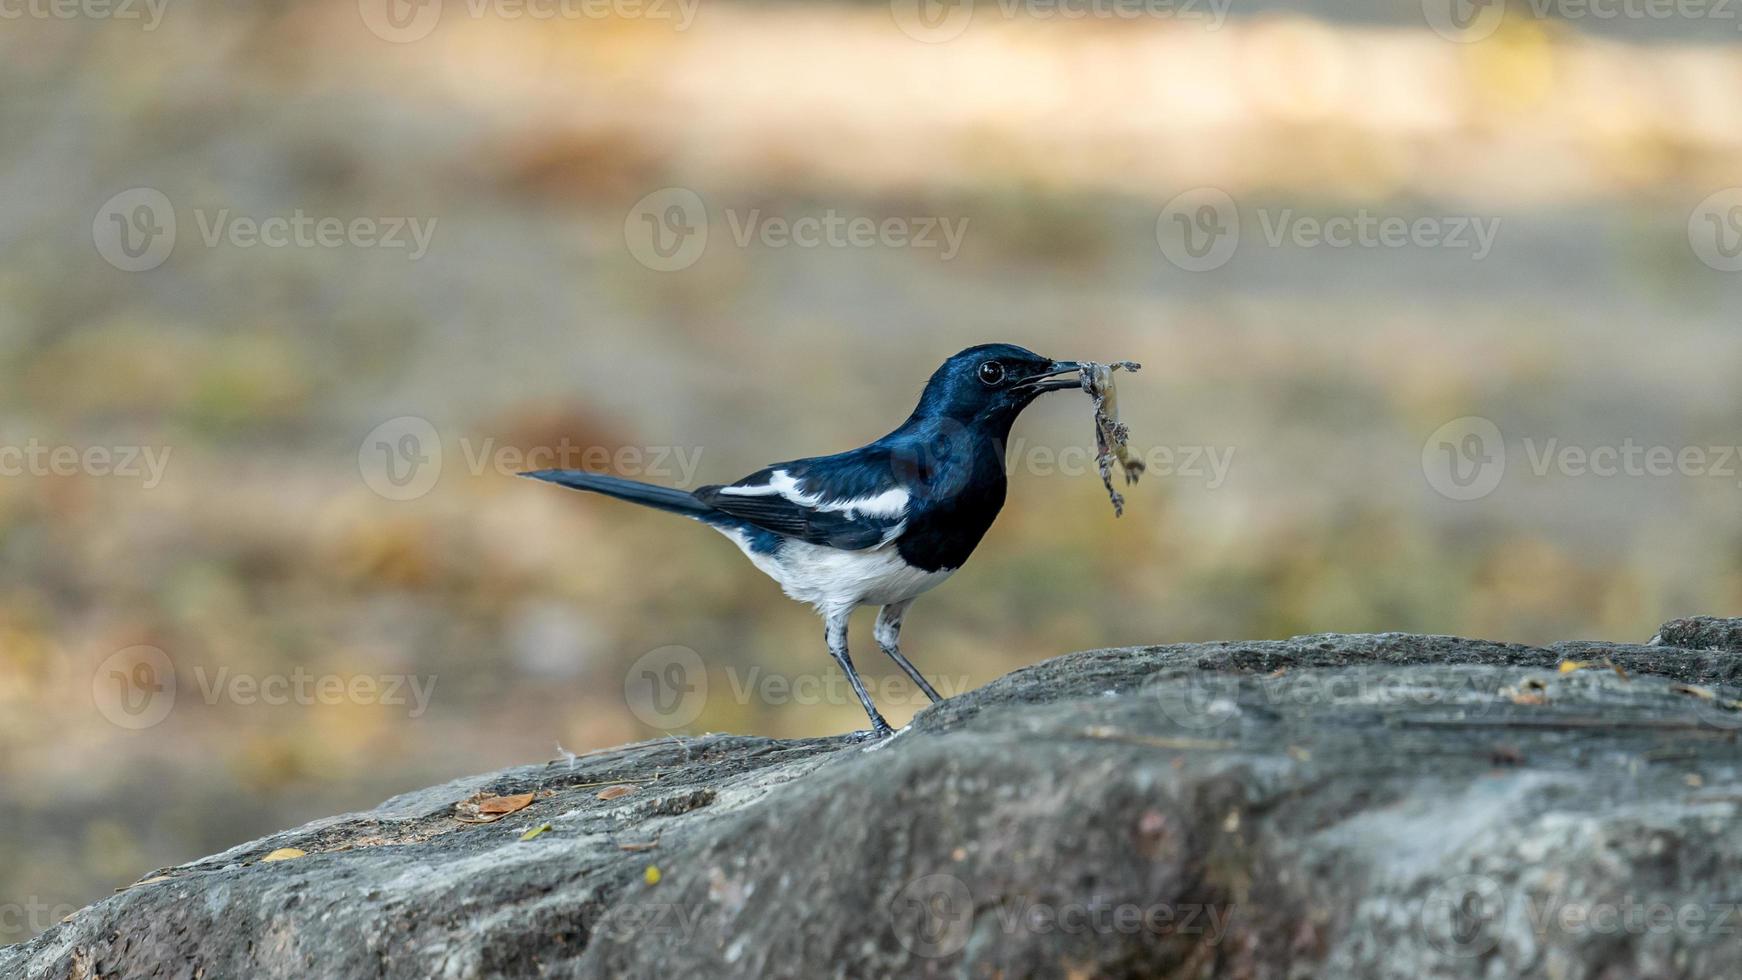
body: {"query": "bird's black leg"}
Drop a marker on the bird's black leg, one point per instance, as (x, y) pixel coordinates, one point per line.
(888, 633)
(835, 632)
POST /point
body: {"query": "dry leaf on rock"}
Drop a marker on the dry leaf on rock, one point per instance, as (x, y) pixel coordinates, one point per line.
(489, 809)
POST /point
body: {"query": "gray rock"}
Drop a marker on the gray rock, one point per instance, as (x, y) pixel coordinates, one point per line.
(1326, 806)
(1701, 633)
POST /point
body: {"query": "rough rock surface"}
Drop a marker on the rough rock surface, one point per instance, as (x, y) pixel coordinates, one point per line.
(1326, 806)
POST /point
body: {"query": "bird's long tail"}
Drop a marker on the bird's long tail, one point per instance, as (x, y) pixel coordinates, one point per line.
(646, 494)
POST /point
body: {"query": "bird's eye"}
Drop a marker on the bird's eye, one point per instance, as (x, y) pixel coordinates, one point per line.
(991, 372)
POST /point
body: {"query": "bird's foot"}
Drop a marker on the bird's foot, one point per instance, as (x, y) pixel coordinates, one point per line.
(876, 733)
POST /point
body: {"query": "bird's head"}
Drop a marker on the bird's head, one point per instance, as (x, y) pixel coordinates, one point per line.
(992, 383)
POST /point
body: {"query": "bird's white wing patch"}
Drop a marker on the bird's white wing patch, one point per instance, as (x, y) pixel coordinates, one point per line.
(889, 503)
(761, 490)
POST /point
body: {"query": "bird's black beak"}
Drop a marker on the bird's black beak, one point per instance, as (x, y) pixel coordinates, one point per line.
(1050, 381)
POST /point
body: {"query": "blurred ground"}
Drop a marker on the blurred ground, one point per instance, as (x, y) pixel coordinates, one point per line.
(148, 618)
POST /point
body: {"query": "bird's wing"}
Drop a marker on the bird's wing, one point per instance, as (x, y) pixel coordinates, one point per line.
(841, 502)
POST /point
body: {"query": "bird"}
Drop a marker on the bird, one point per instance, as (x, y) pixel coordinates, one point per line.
(881, 524)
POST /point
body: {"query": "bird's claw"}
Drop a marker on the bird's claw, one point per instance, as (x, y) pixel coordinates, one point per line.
(876, 734)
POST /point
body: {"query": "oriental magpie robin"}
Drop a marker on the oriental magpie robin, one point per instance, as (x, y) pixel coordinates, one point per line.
(882, 523)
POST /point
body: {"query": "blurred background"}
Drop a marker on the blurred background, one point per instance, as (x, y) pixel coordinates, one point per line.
(1435, 301)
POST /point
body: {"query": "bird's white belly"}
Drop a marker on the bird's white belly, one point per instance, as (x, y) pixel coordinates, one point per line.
(834, 580)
